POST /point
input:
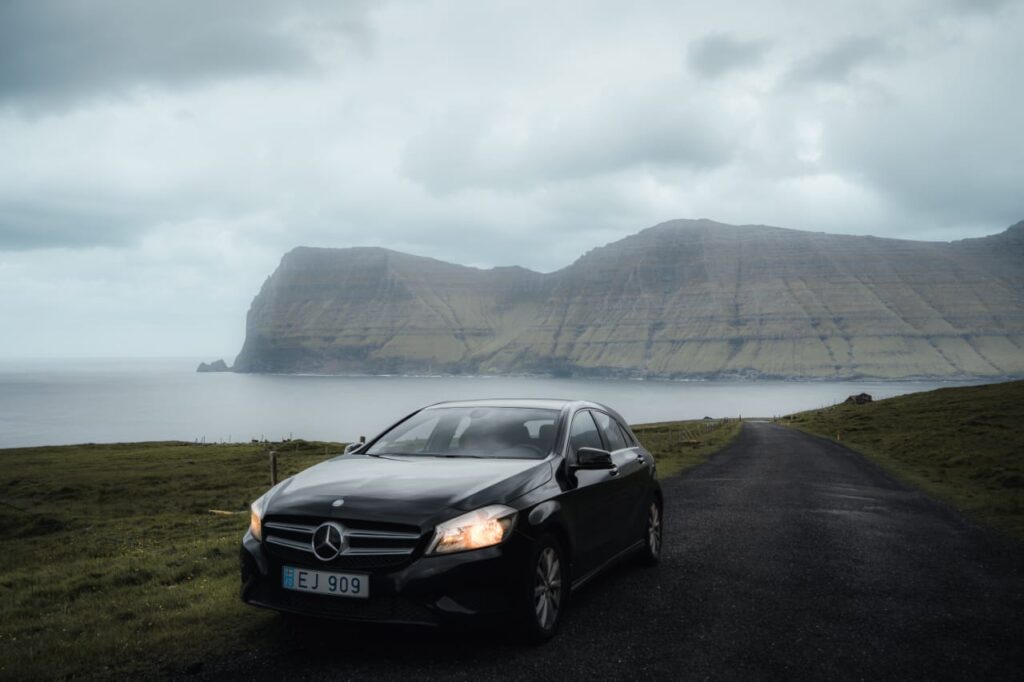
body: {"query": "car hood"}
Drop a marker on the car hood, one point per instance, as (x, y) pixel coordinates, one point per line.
(410, 490)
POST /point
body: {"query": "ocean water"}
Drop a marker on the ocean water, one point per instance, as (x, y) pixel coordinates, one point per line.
(49, 402)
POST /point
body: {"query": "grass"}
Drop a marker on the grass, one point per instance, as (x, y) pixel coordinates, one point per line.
(109, 553)
(964, 445)
(678, 446)
(113, 564)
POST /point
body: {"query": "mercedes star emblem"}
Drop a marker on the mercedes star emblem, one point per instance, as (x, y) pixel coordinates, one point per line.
(328, 541)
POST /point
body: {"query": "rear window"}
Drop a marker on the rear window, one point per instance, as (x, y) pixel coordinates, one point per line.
(500, 432)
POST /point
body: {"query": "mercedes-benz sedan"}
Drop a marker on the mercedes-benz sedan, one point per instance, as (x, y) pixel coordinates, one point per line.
(496, 508)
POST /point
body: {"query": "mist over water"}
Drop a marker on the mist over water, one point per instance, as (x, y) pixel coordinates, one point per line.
(79, 401)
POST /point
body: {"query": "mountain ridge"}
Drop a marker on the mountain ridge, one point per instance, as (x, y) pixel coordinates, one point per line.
(681, 299)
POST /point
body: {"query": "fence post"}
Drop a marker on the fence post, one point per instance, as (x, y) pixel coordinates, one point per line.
(273, 467)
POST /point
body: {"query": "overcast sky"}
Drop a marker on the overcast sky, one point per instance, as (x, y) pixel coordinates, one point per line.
(157, 159)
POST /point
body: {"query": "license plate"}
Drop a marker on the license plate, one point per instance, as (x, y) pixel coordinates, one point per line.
(322, 582)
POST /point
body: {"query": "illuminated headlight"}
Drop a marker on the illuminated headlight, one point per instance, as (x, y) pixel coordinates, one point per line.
(475, 530)
(256, 518)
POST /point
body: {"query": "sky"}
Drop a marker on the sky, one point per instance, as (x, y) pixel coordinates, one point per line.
(157, 159)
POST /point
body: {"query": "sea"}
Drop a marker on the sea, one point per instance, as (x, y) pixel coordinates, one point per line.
(59, 402)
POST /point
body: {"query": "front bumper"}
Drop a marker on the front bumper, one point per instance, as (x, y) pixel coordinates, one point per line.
(427, 590)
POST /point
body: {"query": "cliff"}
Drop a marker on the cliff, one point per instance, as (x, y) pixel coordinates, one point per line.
(681, 299)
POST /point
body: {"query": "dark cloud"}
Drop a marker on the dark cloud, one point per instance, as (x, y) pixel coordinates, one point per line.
(978, 6)
(55, 51)
(944, 143)
(717, 54)
(55, 222)
(837, 63)
(949, 162)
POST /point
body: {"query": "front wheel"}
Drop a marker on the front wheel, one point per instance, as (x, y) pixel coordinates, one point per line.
(546, 597)
(653, 534)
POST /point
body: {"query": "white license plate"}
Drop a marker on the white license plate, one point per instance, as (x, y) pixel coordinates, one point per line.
(322, 582)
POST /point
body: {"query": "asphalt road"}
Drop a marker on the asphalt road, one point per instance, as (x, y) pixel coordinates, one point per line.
(786, 556)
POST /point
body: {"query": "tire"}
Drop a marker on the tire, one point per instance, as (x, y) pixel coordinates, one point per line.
(653, 534)
(547, 591)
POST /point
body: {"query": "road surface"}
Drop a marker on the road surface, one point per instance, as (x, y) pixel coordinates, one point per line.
(786, 556)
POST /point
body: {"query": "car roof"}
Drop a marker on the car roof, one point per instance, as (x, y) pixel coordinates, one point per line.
(534, 403)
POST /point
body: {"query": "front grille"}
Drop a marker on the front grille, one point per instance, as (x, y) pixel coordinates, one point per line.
(367, 546)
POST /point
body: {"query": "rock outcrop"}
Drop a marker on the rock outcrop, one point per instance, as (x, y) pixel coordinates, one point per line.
(681, 299)
(215, 366)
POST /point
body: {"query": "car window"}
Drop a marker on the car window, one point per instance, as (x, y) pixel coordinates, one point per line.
(460, 428)
(508, 432)
(610, 430)
(539, 427)
(583, 433)
(627, 436)
(415, 438)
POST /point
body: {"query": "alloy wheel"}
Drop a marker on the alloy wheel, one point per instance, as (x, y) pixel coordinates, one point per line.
(654, 530)
(547, 590)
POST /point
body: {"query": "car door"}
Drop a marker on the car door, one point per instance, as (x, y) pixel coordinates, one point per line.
(588, 502)
(632, 487)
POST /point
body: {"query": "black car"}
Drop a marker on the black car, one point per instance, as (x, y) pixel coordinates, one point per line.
(496, 508)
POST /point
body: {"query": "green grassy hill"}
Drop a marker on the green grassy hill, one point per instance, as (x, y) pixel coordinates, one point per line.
(963, 445)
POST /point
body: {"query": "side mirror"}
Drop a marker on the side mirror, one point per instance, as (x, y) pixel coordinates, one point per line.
(352, 447)
(594, 458)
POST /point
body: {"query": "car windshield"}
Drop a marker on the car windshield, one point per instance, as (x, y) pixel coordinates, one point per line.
(502, 432)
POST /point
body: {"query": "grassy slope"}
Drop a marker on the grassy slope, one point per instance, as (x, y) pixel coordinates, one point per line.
(964, 445)
(109, 553)
(677, 446)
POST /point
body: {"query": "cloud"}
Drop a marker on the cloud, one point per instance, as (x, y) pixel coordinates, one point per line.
(51, 222)
(838, 62)
(53, 52)
(472, 149)
(718, 54)
(946, 148)
(977, 6)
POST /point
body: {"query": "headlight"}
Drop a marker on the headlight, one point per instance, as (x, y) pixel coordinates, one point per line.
(256, 518)
(475, 530)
